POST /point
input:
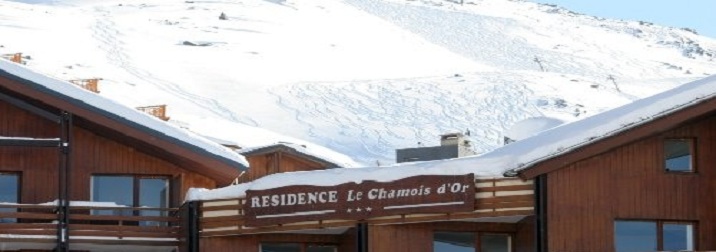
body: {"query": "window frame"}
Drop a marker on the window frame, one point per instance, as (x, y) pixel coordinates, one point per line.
(692, 152)
(477, 237)
(136, 186)
(18, 196)
(302, 246)
(19, 183)
(660, 230)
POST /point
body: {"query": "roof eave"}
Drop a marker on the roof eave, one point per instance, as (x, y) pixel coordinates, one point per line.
(626, 135)
(223, 166)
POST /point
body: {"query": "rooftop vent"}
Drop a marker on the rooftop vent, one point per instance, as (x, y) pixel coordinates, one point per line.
(159, 111)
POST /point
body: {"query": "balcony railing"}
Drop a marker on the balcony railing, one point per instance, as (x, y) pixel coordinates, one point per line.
(494, 197)
(38, 223)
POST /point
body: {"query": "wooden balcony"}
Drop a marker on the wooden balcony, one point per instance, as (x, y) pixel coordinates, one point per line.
(27, 226)
(509, 198)
(159, 111)
(89, 84)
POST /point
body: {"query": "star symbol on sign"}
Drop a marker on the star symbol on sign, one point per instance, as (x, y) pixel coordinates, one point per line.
(349, 210)
(368, 209)
(358, 209)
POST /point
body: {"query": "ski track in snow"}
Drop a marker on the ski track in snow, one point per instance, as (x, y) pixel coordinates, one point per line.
(458, 32)
(369, 119)
(387, 114)
(109, 37)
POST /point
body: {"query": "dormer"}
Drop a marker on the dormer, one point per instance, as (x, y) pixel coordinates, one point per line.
(282, 157)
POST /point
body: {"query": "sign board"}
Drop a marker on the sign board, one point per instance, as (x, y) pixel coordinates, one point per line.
(351, 201)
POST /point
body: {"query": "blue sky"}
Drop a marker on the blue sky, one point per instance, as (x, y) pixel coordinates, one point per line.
(697, 14)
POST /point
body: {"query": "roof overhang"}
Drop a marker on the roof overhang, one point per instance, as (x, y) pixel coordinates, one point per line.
(626, 135)
(191, 157)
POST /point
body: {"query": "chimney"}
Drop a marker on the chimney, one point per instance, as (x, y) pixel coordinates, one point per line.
(452, 139)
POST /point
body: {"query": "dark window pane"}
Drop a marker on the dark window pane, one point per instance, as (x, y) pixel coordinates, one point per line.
(630, 236)
(494, 243)
(678, 236)
(677, 155)
(321, 248)
(153, 192)
(117, 189)
(280, 247)
(453, 242)
(9, 193)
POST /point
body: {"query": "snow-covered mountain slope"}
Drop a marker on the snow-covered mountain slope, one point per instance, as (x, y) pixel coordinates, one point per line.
(361, 77)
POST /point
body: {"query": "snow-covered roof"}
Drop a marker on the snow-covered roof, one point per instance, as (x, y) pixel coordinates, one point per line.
(510, 158)
(252, 138)
(532, 126)
(570, 136)
(118, 112)
(312, 152)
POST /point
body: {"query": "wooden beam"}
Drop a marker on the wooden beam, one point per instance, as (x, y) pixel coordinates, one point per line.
(30, 108)
(22, 142)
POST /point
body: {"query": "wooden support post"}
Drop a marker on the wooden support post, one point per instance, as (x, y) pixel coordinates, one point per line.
(63, 201)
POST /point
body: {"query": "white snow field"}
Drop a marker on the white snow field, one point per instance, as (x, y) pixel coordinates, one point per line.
(360, 77)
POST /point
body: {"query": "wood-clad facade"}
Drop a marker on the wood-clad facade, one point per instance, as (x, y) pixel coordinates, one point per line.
(54, 152)
(629, 182)
(598, 195)
(92, 154)
(281, 158)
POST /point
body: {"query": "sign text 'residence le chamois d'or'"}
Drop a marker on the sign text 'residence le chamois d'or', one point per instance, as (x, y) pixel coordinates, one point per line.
(420, 194)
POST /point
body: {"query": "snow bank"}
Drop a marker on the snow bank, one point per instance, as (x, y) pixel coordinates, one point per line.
(76, 203)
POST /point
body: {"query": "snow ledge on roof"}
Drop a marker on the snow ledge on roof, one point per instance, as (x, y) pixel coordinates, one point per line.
(120, 110)
(506, 159)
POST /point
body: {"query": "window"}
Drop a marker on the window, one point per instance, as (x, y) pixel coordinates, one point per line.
(495, 242)
(133, 191)
(453, 242)
(9, 193)
(296, 247)
(470, 242)
(678, 236)
(635, 236)
(678, 155)
(653, 236)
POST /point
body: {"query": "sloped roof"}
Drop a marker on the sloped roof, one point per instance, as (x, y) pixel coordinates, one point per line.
(571, 142)
(125, 121)
(527, 157)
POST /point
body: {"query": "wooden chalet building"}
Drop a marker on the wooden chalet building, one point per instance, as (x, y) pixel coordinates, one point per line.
(79, 172)
(636, 178)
